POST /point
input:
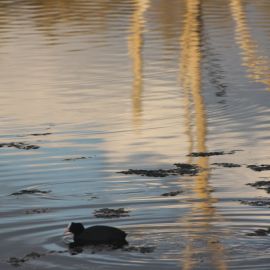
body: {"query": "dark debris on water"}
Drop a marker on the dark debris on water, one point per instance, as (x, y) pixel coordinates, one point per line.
(111, 213)
(30, 191)
(37, 211)
(181, 169)
(261, 185)
(19, 261)
(259, 202)
(186, 168)
(76, 158)
(20, 145)
(41, 134)
(35, 134)
(172, 193)
(227, 165)
(15, 261)
(214, 153)
(259, 168)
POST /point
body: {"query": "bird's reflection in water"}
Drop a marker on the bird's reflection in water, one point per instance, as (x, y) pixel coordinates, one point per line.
(74, 250)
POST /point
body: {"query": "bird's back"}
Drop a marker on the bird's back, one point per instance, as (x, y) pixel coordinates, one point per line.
(102, 235)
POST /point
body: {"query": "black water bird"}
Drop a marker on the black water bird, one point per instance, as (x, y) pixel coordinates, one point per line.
(97, 235)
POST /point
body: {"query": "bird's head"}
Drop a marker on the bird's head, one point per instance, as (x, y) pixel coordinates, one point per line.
(74, 228)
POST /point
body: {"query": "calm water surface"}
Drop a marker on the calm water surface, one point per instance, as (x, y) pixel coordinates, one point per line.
(135, 84)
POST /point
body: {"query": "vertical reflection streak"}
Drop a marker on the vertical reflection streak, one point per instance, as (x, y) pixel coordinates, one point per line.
(258, 66)
(135, 52)
(190, 76)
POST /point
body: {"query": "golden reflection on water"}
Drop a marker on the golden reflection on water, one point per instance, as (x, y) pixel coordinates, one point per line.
(135, 51)
(49, 14)
(258, 66)
(190, 76)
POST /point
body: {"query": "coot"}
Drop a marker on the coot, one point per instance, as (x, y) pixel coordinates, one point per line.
(97, 235)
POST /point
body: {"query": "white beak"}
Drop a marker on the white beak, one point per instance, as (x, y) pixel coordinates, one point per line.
(67, 231)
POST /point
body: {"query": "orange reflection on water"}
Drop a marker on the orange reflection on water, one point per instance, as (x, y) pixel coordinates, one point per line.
(258, 66)
(135, 51)
(190, 76)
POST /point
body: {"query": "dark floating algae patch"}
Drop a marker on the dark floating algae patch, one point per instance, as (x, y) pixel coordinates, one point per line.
(37, 211)
(214, 153)
(172, 193)
(186, 168)
(41, 134)
(227, 165)
(259, 168)
(15, 261)
(30, 191)
(19, 261)
(76, 158)
(35, 134)
(150, 173)
(259, 202)
(111, 213)
(181, 169)
(261, 185)
(19, 145)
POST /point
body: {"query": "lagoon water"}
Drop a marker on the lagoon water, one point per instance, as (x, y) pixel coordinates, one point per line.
(105, 86)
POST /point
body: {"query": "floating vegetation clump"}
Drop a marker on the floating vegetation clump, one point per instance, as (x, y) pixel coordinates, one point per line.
(261, 185)
(30, 191)
(20, 145)
(172, 193)
(41, 134)
(19, 261)
(227, 165)
(259, 168)
(76, 158)
(208, 154)
(181, 169)
(260, 202)
(37, 211)
(111, 213)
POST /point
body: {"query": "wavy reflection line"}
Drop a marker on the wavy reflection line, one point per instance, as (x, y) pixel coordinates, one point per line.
(190, 77)
(135, 52)
(48, 15)
(258, 66)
